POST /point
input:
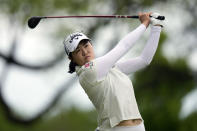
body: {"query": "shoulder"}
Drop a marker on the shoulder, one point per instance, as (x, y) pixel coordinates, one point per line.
(87, 72)
(89, 65)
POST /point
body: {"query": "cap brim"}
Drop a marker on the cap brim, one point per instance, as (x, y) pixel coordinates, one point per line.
(76, 43)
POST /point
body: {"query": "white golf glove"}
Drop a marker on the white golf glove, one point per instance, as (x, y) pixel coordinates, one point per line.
(154, 21)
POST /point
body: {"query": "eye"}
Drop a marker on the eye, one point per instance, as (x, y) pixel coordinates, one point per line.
(86, 45)
(77, 51)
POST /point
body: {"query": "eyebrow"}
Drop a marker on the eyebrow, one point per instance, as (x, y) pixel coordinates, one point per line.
(77, 48)
(82, 44)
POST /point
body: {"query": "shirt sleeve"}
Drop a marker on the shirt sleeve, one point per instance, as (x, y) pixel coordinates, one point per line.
(104, 63)
(134, 64)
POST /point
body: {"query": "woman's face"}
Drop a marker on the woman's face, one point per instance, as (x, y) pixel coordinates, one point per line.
(84, 53)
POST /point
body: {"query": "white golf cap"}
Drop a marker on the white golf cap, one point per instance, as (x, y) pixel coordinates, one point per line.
(71, 42)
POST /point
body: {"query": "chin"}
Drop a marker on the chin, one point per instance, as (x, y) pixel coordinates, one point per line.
(87, 61)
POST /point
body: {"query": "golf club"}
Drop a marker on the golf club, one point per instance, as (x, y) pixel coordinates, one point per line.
(34, 21)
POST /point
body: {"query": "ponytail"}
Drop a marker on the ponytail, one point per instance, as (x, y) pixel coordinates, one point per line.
(72, 65)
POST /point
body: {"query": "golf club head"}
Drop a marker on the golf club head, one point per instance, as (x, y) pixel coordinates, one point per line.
(161, 17)
(34, 21)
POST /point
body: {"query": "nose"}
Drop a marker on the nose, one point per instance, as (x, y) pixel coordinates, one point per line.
(84, 51)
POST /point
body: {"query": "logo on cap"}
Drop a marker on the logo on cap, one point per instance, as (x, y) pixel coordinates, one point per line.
(75, 36)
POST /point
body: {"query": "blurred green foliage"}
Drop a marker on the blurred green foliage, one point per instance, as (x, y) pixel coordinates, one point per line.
(159, 88)
(69, 120)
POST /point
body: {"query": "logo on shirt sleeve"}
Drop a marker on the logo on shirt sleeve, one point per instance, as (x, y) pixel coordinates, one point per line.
(89, 65)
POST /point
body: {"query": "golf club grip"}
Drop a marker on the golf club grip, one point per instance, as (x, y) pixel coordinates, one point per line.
(159, 17)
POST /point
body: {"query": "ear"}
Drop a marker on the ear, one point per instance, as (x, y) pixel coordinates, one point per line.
(70, 57)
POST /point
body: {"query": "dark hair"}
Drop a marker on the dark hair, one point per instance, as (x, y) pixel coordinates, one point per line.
(72, 65)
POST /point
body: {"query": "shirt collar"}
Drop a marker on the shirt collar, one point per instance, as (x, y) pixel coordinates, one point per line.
(78, 70)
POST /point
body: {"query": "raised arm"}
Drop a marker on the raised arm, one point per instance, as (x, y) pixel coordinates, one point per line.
(105, 62)
(134, 64)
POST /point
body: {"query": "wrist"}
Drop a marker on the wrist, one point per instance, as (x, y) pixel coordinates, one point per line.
(146, 23)
(158, 25)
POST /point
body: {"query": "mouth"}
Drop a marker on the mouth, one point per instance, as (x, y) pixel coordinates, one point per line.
(86, 57)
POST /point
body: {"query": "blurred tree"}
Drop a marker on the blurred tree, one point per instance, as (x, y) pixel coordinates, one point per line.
(159, 90)
(18, 12)
(159, 87)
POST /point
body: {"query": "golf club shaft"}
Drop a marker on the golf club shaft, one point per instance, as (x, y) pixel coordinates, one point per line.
(34, 21)
(92, 16)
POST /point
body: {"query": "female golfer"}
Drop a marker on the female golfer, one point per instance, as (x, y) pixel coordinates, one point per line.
(105, 79)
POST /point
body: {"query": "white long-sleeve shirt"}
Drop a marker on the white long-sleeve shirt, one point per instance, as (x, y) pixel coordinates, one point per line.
(106, 82)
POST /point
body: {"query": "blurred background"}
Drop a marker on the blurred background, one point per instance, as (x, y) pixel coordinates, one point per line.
(37, 93)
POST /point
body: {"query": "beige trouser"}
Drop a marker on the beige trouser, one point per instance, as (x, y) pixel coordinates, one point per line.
(139, 127)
